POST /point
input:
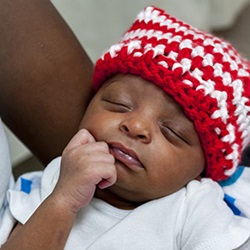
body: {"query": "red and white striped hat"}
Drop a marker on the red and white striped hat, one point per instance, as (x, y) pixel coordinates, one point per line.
(203, 73)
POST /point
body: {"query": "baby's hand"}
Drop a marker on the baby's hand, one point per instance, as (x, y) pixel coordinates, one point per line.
(85, 163)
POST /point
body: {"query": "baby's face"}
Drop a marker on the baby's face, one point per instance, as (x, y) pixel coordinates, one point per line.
(156, 148)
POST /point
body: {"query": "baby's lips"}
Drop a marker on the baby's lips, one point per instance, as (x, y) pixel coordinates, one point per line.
(125, 155)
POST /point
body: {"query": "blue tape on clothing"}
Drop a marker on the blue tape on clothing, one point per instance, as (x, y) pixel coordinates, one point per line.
(233, 178)
(230, 202)
(26, 185)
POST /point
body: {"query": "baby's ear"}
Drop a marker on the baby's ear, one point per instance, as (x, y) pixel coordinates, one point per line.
(198, 178)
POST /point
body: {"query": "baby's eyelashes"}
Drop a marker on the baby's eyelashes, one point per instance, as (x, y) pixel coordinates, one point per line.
(172, 135)
(117, 106)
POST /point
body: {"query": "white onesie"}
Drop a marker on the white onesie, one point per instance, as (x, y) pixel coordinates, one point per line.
(195, 217)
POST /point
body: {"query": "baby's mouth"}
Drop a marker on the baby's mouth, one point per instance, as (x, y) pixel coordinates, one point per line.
(125, 155)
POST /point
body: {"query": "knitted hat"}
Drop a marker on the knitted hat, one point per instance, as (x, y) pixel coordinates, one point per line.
(204, 74)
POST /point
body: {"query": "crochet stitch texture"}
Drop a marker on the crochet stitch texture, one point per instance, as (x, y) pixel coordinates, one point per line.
(204, 74)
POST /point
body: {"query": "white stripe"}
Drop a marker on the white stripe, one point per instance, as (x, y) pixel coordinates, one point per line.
(198, 51)
(135, 44)
(218, 69)
(207, 86)
(230, 137)
(241, 111)
(234, 158)
(222, 111)
(227, 79)
(115, 49)
(208, 60)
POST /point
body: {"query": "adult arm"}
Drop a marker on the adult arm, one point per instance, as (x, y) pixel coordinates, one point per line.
(45, 76)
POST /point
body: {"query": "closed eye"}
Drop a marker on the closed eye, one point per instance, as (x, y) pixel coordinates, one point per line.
(172, 135)
(117, 106)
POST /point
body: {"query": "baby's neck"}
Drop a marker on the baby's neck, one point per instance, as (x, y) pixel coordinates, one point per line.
(114, 200)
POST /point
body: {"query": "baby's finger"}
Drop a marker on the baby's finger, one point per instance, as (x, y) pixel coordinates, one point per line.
(82, 137)
(108, 179)
(105, 183)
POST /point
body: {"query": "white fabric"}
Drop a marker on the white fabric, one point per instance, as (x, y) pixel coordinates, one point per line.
(237, 191)
(193, 218)
(6, 182)
(5, 164)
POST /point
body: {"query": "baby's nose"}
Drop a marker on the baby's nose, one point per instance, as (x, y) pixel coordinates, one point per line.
(137, 128)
